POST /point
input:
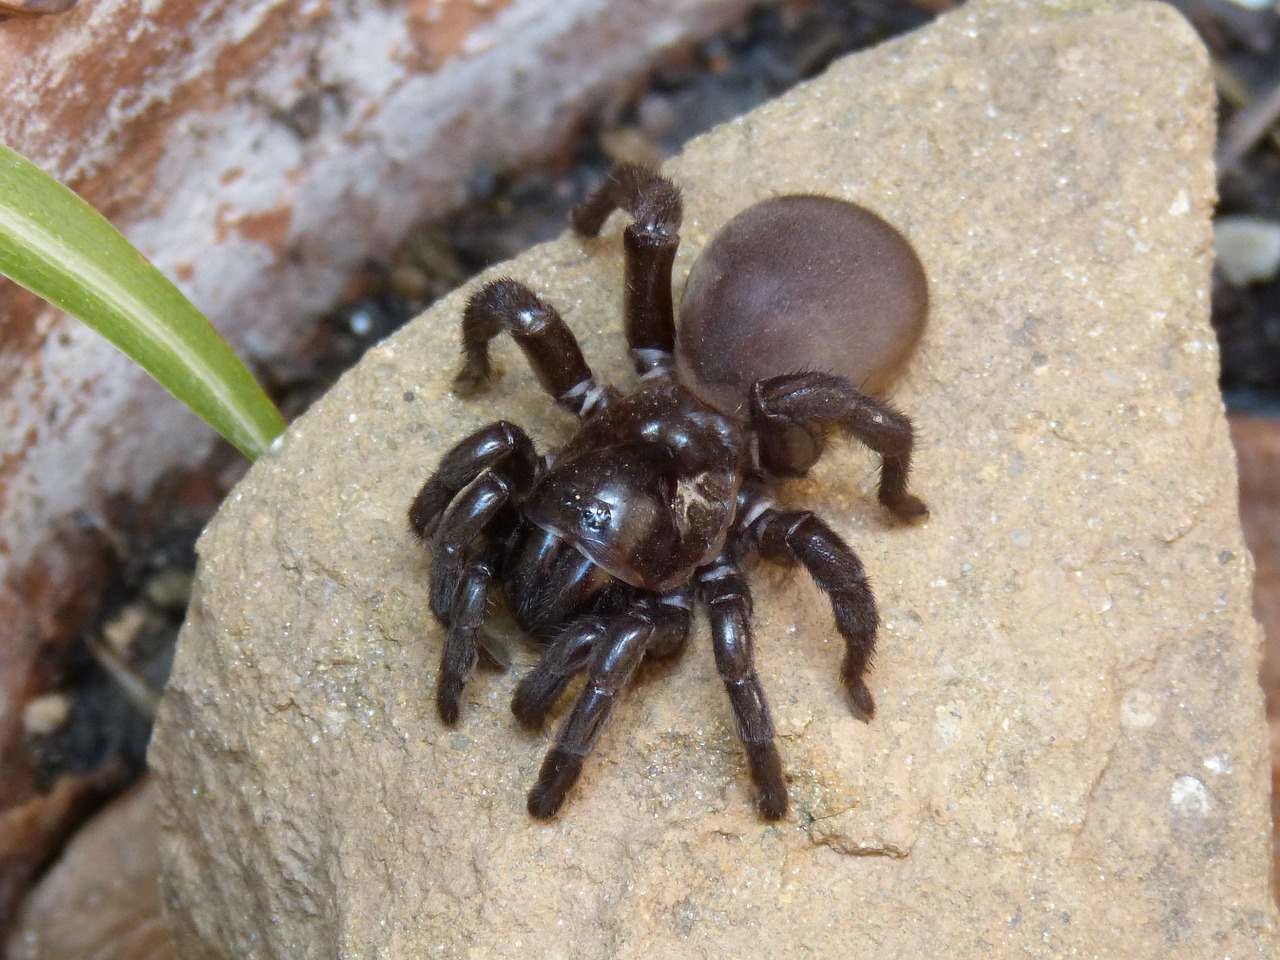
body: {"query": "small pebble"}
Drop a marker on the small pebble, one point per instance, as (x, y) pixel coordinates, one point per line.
(656, 115)
(630, 145)
(121, 630)
(45, 714)
(1248, 249)
(170, 590)
(430, 250)
(360, 320)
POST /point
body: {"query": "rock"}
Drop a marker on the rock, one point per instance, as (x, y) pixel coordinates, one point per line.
(1247, 248)
(101, 898)
(31, 833)
(1069, 755)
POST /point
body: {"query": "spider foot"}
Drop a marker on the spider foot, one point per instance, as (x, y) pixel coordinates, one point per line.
(651, 199)
(473, 380)
(534, 696)
(861, 703)
(908, 507)
(449, 698)
(766, 773)
(540, 688)
(559, 773)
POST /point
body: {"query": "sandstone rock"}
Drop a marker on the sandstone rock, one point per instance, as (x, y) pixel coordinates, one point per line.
(1069, 756)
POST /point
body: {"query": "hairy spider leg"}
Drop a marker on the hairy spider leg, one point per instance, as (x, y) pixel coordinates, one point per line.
(677, 612)
(782, 407)
(724, 590)
(613, 659)
(462, 525)
(462, 643)
(498, 443)
(569, 653)
(549, 345)
(797, 536)
(650, 242)
(566, 657)
(460, 578)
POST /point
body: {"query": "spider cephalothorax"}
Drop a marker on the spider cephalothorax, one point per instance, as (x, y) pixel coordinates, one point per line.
(601, 550)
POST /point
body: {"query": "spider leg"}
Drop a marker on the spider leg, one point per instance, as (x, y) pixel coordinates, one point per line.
(674, 626)
(462, 643)
(790, 411)
(461, 526)
(498, 443)
(791, 536)
(464, 564)
(539, 331)
(614, 656)
(569, 654)
(566, 657)
(725, 592)
(650, 242)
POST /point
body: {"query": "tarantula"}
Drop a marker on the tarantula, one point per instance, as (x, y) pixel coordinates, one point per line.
(601, 548)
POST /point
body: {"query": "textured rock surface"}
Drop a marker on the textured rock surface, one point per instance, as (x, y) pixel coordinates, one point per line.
(259, 152)
(101, 900)
(1069, 757)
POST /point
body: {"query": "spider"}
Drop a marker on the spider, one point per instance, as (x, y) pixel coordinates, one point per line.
(602, 548)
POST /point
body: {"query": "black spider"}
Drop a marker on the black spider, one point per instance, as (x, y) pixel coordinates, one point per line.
(660, 495)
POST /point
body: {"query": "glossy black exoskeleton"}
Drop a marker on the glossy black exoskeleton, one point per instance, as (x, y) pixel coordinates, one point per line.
(661, 495)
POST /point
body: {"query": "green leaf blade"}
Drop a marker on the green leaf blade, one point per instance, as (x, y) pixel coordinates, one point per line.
(61, 249)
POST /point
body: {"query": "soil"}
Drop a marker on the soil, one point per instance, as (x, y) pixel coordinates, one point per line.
(95, 720)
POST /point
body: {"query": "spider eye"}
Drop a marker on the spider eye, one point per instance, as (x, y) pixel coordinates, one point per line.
(596, 517)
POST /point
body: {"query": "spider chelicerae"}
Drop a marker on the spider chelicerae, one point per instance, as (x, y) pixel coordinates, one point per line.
(794, 311)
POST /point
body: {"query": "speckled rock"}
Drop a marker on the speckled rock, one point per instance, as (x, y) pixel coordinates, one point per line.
(1068, 758)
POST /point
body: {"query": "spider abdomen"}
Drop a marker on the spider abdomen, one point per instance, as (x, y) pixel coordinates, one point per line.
(799, 283)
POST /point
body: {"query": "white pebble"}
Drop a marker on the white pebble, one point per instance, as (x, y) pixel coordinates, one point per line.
(1248, 249)
(43, 715)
